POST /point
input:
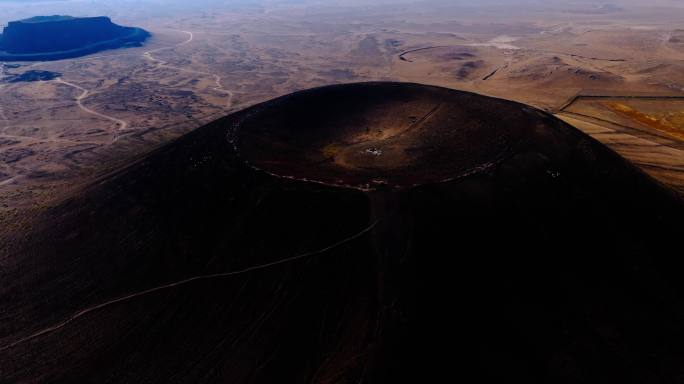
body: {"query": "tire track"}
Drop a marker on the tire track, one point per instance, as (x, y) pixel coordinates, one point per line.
(86, 311)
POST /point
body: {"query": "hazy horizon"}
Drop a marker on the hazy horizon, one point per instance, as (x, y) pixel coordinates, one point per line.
(145, 9)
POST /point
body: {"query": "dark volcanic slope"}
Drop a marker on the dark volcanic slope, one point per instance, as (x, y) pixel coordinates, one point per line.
(60, 37)
(545, 257)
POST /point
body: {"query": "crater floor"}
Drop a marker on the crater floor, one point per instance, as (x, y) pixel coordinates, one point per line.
(370, 134)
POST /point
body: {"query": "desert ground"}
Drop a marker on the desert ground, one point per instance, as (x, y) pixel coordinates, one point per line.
(614, 72)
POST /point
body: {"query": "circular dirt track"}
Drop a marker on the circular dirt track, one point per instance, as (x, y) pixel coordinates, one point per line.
(366, 233)
(370, 134)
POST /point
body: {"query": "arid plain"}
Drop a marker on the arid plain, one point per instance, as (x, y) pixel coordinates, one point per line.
(615, 72)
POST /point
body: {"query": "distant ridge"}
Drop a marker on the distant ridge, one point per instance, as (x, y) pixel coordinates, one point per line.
(61, 37)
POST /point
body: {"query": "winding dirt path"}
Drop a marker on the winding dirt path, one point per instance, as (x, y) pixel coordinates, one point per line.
(163, 64)
(132, 296)
(3, 117)
(122, 125)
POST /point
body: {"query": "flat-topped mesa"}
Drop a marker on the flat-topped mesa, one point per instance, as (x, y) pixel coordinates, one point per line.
(59, 37)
